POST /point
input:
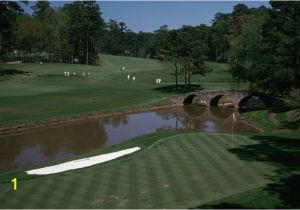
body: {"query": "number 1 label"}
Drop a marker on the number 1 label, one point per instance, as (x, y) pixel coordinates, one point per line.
(14, 181)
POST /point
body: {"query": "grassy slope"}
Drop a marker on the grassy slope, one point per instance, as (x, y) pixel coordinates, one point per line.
(25, 99)
(261, 118)
(177, 171)
(285, 119)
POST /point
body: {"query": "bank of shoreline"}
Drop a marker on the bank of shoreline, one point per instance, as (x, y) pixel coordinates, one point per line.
(64, 121)
(25, 127)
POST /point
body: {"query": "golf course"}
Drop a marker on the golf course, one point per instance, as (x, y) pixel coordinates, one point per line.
(149, 104)
(173, 169)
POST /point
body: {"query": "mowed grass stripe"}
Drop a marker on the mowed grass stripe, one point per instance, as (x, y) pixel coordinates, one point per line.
(199, 168)
(97, 192)
(164, 178)
(112, 187)
(145, 192)
(203, 165)
(39, 193)
(188, 171)
(252, 170)
(219, 160)
(154, 182)
(259, 168)
(92, 187)
(66, 190)
(78, 190)
(176, 186)
(240, 171)
(218, 181)
(18, 198)
(134, 187)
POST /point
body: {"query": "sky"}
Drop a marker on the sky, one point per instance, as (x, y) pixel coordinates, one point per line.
(148, 16)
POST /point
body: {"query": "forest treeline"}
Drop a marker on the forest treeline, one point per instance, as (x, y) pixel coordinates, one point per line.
(262, 45)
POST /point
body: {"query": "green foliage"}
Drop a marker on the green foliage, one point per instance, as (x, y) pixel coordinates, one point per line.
(9, 11)
(266, 52)
(30, 36)
(42, 11)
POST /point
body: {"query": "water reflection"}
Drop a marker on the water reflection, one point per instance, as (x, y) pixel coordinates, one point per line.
(41, 145)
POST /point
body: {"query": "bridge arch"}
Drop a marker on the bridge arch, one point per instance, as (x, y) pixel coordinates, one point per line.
(189, 99)
(227, 100)
(252, 102)
(214, 101)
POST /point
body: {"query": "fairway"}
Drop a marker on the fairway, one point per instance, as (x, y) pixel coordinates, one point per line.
(29, 99)
(171, 171)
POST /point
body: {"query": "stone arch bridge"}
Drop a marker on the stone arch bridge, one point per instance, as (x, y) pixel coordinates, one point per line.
(211, 97)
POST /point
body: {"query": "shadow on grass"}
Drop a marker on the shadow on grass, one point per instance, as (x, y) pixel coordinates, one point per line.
(14, 72)
(283, 152)
(179, 89)
(223, 206)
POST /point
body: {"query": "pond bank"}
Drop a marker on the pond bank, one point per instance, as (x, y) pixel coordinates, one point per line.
(24, 127)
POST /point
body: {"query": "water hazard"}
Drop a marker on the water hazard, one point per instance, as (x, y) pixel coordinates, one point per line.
(55, 143)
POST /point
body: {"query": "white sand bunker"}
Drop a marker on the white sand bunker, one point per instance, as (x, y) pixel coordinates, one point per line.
(82, 163)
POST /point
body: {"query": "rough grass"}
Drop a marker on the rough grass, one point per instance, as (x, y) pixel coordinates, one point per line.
(27, 99)
(261, 118)
(171, 171)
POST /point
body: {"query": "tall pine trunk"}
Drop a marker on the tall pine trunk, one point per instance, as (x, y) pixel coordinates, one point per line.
(87, 50)
(1, 67)
(297, 70)
(176, 78)
(185, 74)
(189, 74)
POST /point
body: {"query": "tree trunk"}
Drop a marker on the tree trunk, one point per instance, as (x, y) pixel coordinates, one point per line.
(189, 80)
(176, 78)
(189, 73)
(297, 70)
(87, 50)
(185, 74)
(1, 67)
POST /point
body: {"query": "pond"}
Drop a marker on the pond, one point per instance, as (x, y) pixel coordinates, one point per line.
(55, 143)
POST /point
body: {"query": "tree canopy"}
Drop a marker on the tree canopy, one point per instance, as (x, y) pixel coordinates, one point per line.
(262, 45)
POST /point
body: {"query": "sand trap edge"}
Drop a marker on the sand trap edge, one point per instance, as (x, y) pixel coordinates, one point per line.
(81, 163)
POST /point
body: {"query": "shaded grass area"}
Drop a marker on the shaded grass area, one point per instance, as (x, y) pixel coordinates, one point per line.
(289, 119)
(275, 119)
(179, 89)
(172, 170)
(14, 71)
(283, 192)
